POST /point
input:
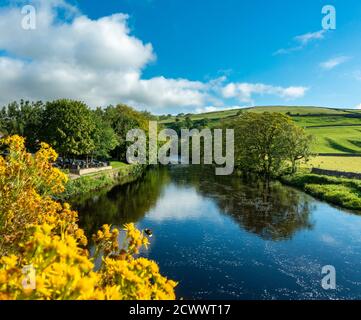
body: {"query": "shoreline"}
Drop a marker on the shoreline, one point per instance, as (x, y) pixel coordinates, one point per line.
(83, 185)
(341, 192)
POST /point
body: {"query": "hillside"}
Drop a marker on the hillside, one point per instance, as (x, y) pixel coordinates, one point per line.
(336, 130)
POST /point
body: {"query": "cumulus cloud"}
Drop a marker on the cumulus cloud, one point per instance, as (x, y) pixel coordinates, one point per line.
(302, 41)
(244, 91)
(98, 61)
(358, 106)
(334, 62)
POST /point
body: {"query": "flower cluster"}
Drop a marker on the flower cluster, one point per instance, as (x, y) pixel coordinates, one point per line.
(39, 232)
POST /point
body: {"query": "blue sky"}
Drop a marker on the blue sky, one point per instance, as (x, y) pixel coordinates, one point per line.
(218, 54)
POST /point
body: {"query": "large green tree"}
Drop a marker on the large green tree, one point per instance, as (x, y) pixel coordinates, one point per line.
(104, 137)
(122, 119)
(265, 143)
(68, 126)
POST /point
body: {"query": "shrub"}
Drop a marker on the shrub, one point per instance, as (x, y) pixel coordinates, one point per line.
(340, 191)
(38, 232)
(336, 194)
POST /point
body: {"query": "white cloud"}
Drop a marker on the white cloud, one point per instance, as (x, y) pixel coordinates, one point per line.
(334, 62)
(189, 206)
(98, 61)
(358, 106)
(302, 41)
(244, 91)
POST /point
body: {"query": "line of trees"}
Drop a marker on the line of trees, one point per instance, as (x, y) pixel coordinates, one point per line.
(72, 128)
(265, 143)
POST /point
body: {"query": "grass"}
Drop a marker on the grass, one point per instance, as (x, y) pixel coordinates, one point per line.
(118, 164)
(318, 121)
(121, 173)
(343, 192)
(282, 109)
(85, 185)
(337, 139)
(348, 164)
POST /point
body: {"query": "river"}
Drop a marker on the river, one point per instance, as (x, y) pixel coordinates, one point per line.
(222, 238)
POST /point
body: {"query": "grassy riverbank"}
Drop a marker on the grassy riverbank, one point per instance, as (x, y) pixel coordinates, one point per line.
(120, 174)
(343, 192)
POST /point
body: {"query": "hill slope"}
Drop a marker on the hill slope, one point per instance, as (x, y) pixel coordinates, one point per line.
(336, 130)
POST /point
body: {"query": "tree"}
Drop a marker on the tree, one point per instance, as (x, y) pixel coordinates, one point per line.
(265, 142)
(24, 119)
(3, 130)
(148, 115)
(68, 127)
(188, 123)
(203, 123)
(298, 145)
(104, 137)
(122, 119)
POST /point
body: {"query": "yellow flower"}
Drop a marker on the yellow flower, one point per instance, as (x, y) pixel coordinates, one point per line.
(38, 231)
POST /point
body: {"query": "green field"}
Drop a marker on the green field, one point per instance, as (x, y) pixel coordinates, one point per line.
(328, 120)
(216, 115)
(335, 130)
(336, 139)
(349, 164)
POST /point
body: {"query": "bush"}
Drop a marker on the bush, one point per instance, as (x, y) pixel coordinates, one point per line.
(340, 191)
(43, 235)
(84, 185)
(336, 194)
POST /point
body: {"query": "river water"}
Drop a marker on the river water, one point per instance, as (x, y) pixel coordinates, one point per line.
(223, 238)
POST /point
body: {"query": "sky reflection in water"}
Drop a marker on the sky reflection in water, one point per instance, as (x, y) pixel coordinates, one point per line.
(222, 238)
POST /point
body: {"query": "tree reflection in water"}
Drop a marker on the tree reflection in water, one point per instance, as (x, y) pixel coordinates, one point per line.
(272, 211)
(122, 204)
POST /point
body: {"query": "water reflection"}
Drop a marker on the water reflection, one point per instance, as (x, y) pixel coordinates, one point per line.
(224, 238)
(178, 203)
(122, 204)
(272, 211)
